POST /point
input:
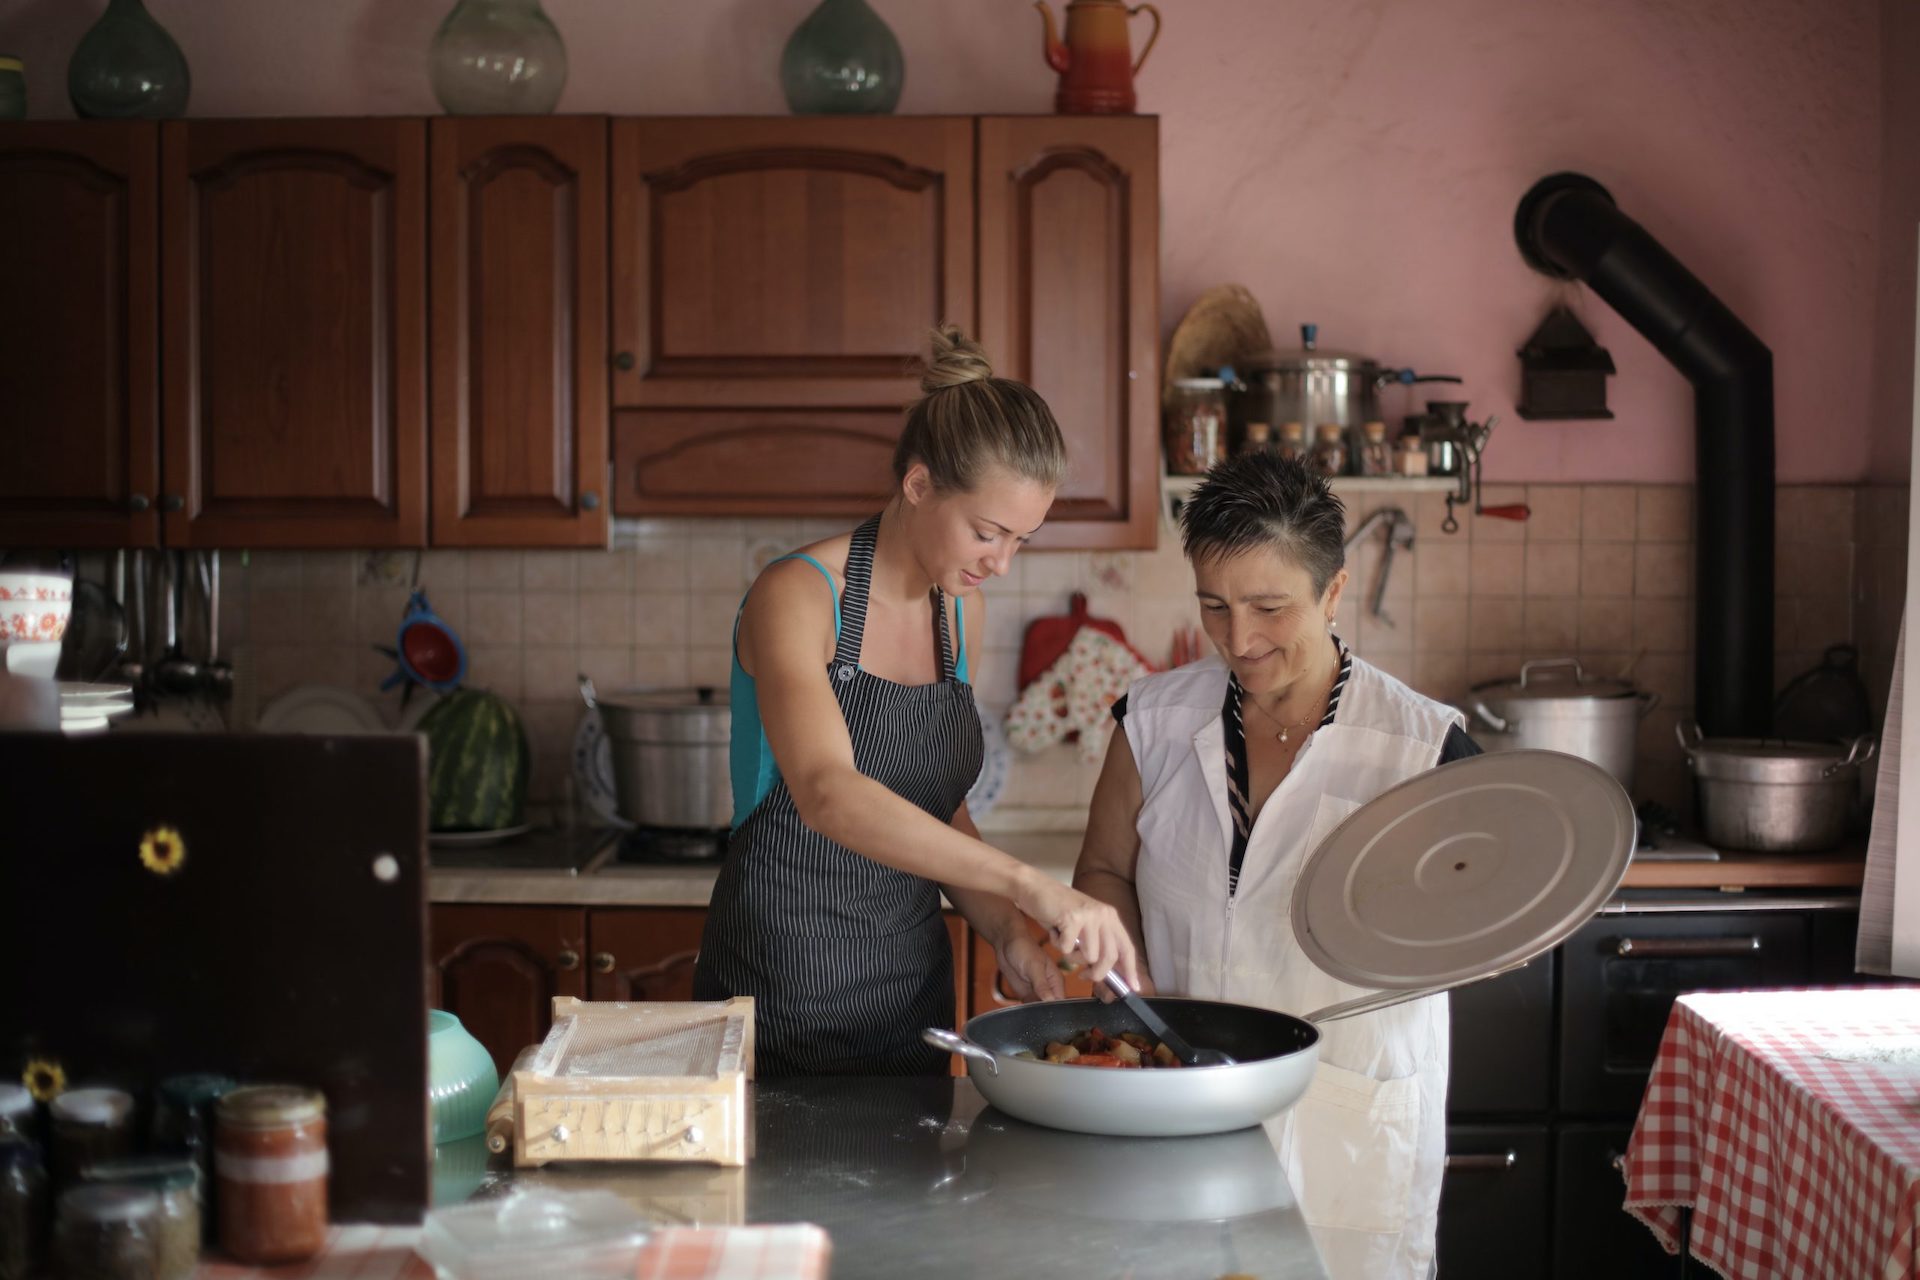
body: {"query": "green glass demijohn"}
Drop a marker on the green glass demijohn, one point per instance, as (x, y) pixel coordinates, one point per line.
(128, 67)
(498, 58)
(842, 60)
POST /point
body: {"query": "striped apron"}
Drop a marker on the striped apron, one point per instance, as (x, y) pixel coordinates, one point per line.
(848, 960)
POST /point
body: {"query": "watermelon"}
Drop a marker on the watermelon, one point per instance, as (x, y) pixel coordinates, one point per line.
(477, 762)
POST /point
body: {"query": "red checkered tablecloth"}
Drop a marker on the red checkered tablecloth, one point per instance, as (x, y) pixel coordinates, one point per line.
(1789, 1122)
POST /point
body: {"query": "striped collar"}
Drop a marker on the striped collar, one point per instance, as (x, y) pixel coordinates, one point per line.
(1236, 695)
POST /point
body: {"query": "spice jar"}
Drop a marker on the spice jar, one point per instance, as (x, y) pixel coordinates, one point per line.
(1258, 438)
(1196, 427)
(177, 1225)
(1376, 456)
(1411, 460)
(183, 1125)
(270, 1163)
(1292, 442)
(23, 1207)
(1330, 450)
(107, 1233)
(89, 1125)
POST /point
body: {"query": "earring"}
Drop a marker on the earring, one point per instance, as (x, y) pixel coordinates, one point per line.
(1329, 626)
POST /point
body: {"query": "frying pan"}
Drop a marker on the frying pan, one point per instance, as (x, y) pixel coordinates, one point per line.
(1552, 829)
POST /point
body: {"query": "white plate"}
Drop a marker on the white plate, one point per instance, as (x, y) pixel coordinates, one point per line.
(320, 708)
(994, 766)
(593, 770)
(476, 839)
(93, 710)
(418, 706)
(1464, 870)
(82, 724)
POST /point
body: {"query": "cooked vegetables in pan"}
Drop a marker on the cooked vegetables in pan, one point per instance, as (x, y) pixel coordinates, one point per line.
(1095, 1048)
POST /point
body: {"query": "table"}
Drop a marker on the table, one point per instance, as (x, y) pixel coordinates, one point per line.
(918, 1177)
(1789, 1123)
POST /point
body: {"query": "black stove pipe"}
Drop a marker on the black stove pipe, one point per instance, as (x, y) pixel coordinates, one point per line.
(1570, 228)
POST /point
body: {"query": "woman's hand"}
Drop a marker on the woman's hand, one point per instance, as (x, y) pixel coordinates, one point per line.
(1086, 930)
(1027, 972)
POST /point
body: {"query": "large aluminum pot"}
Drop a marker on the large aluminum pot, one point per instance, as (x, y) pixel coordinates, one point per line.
(1556, 706)
(669, 747)
(1277, 1054)
(1774, 796)
(1311, 386)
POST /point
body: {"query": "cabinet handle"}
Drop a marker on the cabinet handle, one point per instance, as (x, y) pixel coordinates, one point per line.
(1492, 1162)
(172, 502)
(138, 502)
(568, 960)
(603, 962)
(1687, 948)
(589, 501)
(624, 362)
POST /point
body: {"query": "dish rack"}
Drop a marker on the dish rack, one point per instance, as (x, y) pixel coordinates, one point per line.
(658, 1081)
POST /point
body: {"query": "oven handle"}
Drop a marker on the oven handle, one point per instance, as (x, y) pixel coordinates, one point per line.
(1687, 948)
(1491, 1162)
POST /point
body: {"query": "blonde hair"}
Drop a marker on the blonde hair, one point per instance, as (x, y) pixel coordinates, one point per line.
(967, 421)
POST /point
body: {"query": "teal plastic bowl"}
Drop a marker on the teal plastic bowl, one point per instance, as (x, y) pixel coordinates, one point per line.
(461, 1079)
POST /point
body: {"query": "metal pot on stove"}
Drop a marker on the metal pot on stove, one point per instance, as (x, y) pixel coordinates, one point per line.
(1312, 386)
(670, 761)
(1557, 706)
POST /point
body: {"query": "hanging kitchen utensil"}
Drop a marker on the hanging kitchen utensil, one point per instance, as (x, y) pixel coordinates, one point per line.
(1449, 418)
(1827, 704)
(95, 636)
(175, 673)
(425, 651)
(133, 668)
(218, 675)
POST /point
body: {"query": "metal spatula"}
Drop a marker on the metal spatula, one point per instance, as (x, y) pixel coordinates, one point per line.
(1157, 1026)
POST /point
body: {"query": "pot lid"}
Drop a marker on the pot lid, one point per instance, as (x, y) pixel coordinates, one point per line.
(1310, 355)
(1554, 679)
(1773, 759)
(1465, 870)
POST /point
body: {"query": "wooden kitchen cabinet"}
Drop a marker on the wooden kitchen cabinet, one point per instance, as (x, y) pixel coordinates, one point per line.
(1069, 302)
(645, 953)
(293, 332)
(774, 281)
(79, 343)
(519, 353)
(498, 969)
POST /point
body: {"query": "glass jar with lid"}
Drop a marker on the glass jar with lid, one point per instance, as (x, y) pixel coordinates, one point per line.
(270, 1161)
(1196, 425)
(1329, 456)
(1292, 442)
(1376, 456)
(106, 1232)
(176, 1182)
(1259, 438)
(89, 1125)
(183, 1126)
(23, 1207)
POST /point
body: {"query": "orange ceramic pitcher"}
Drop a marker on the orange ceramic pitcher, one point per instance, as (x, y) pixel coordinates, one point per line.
(1096, 62)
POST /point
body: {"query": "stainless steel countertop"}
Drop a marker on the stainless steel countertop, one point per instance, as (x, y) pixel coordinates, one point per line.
(916, 1177)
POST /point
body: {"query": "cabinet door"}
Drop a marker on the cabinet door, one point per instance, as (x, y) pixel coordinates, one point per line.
(294, 334)
(519, 332)
(1501, 1059)
(498, 969)
(645, 953)
(1621, 974)
(79, 406)
(1594, 1238)
(1070, 301)
(1494, 1202)
(786, 263)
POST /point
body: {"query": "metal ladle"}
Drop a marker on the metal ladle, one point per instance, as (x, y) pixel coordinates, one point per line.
(218, 675)
(175, 673)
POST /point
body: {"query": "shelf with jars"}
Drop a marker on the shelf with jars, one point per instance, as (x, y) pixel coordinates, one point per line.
(1174, 491)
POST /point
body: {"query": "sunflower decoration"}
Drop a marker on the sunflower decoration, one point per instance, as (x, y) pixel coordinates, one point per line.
(45, 1079)
(162, 851)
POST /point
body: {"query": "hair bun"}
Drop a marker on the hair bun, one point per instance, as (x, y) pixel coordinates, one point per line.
(955, 359)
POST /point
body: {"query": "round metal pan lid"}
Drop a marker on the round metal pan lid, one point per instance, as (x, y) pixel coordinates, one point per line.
(1465, 870)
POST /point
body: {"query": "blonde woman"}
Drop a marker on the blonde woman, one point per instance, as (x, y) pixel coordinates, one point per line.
(855, 742)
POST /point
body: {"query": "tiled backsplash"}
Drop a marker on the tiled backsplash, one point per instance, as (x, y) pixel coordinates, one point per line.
(1604, 572)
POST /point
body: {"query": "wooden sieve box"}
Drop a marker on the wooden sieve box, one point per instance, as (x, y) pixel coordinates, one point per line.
(663, 1081)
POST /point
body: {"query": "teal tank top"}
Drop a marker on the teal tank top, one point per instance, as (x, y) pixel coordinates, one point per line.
(750, 762)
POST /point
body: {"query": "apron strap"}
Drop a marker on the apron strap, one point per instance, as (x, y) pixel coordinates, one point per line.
(942, 637)
(853, 600)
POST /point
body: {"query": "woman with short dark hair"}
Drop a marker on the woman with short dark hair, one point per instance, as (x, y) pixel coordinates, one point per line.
(1228, 773)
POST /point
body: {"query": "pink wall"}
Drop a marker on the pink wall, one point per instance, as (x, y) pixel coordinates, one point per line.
(1355, 164)
(1891, 444)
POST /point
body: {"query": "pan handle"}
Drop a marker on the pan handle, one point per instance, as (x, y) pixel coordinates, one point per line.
(1387, 999)
(940, 1038)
